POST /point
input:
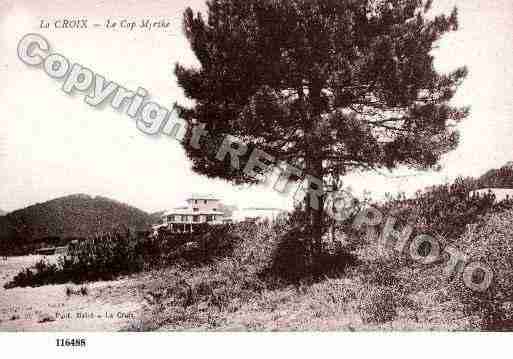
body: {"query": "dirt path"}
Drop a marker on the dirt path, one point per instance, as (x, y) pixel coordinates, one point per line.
(108, 306)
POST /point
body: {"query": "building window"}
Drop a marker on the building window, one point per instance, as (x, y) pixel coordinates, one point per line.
(196, 219)
(184, 218)
(195, 209)
(205, 201)
(210, 218)
(214, 209)
(170, 218)
(195, 201)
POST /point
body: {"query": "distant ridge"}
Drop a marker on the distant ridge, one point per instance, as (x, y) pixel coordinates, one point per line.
(156, 216)
(497, 178)
(61, 219)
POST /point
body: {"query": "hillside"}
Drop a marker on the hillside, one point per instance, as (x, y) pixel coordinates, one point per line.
(156, 216)
(497, 178)
(75, 216)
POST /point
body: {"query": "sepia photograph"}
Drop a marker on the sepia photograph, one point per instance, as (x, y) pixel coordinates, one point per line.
(255, 166)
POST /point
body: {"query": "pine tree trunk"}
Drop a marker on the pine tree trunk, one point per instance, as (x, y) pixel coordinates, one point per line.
(318, 226)
(314, 165)
(315, 212)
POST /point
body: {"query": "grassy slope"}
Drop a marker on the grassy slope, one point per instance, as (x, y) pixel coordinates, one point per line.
(378, 293)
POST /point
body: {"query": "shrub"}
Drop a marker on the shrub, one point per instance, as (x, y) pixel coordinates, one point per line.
(83, 290)
(292, 256)
(217, 242)
(447, 209)
(112, 255)
(257, 244)
(379, 305)
(491, 243)
(96, 259)
(197, 296)
(43, 273)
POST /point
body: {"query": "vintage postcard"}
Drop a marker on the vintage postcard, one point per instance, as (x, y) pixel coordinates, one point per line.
(256, 166)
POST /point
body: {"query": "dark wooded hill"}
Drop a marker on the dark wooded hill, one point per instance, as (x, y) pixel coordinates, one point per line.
(59, 220)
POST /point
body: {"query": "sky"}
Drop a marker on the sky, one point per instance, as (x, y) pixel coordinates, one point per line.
(53, 144)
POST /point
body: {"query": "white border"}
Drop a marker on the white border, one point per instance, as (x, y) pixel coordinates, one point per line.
(259, 345)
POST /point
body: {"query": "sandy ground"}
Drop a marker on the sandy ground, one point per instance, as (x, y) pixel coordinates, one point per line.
(108, 306)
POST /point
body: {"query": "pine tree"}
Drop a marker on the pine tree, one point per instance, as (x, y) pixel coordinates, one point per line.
(335, 85)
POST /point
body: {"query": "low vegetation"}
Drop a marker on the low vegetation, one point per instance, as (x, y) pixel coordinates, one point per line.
(263, 276)
(271, 281)
(83, 291)
(447, 209)
(491, 243)
(117, 254)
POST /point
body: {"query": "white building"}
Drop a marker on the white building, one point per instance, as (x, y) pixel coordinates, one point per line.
(257, 214)
(200, 209)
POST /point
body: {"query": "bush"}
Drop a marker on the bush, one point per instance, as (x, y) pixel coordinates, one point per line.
(292, 256)
(379, 305)
(196, 297)
(83, 291)
(96, 259)
(491, 243)
(206, 246)
(44, 273)
(257, 244)
(446, 210)
(112, 255)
